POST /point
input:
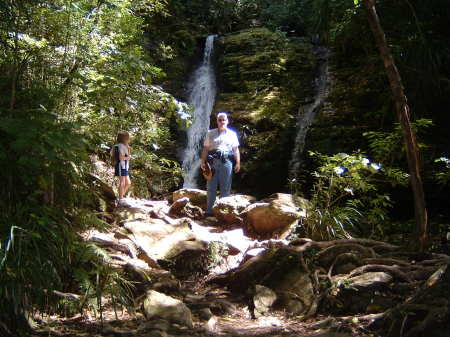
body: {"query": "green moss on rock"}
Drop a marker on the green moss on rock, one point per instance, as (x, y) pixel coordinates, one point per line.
(264, 77)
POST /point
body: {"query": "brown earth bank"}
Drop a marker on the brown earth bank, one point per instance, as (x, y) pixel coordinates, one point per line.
(232, 275)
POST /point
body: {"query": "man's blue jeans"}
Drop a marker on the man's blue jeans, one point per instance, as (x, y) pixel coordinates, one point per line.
(222, 177)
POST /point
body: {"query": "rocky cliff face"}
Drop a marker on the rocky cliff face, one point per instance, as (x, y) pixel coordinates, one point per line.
(359, 101)
(264, 78)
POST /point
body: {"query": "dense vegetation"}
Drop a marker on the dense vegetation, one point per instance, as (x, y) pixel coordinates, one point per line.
(74, 72)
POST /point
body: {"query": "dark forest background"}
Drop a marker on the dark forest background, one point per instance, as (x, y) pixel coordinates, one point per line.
(73, 73)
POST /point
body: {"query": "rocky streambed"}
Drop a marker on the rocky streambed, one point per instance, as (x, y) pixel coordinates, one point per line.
(236, 274)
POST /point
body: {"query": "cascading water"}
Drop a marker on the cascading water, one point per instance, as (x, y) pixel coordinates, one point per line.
(202, 94)
(307, 113)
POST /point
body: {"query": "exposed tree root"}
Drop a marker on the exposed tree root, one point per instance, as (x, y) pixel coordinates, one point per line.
(362, 318)
(426, 311)
(394, 271)
(440, 261)
(343, 259)
(385, 261)
(327, 256)
(362, 242)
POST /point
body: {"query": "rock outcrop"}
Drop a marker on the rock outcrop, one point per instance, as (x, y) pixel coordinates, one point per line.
(196, 197)
(283, 271)
(229, 209)
(166, 256)
(275, 216)
(265, 78)
(168, 308)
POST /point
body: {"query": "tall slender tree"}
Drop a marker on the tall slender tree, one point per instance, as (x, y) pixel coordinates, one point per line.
(402, 108)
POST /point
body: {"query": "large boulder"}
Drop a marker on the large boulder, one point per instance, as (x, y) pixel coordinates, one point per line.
(182, 207)
(103, 191)
(187, 259)
(178, 205)
(101, 180)
(228, 209)
(141, 209)
(365, 293)
(274, 216)
(295, 292)
(263, 299)
(102, 170)
(281, 270)
(125, 214)
(168, 308)
(155, 238)
(196, 197)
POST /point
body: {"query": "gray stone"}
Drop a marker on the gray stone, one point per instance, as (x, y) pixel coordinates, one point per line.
(155, 238)
(263, 299)
(221, 306)
(210, 326)
(156, 333)
(137, 271)
(329, 333)
(283, 271)
(274, 216)
(131, 214)
(369, 279)
(167, 286)
(109, 330)
(228, 209)
(296, 292)
(178, 205)
(187, 246)
(187, 259)
(196, 197)
(159, 305)
(183, 207)
(205, 314)
(155, 324)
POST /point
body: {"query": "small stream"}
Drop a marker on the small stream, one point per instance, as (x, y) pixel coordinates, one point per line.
(307, 112)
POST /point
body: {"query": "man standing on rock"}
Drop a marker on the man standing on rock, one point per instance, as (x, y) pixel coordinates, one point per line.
(220, 149)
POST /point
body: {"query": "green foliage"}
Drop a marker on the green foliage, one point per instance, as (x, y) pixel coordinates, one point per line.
(43, 154)
(225, 16)
(45, 254)
(96, 72)
(347, 196)
(285, 15)
(72, 73)
(99, 280)
(443, 175)
(418, 36)
(389, 146)
(217, 251)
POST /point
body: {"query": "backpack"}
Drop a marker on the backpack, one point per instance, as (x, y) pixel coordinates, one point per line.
(114, 156)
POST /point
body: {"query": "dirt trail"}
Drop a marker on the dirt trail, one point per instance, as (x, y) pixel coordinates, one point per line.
(216, 311)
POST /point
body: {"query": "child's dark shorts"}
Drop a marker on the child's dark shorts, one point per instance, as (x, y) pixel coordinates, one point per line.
(119, 171)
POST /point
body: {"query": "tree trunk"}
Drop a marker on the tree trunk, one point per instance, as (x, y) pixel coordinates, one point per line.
(12, 101)
(401, 105)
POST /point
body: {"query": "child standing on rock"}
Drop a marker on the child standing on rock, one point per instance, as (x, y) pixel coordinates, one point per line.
(121, 152)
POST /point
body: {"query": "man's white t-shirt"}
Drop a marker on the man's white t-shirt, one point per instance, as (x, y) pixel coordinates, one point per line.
(221, 140)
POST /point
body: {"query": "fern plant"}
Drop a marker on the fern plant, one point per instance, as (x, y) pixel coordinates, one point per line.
(346, 196)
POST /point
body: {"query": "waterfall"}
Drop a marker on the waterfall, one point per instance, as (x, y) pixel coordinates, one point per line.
(307, 112)
(202, 94)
